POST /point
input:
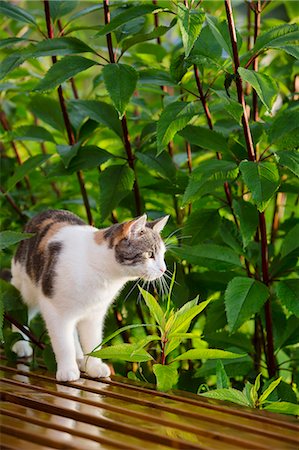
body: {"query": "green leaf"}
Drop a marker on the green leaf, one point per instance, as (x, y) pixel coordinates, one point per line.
(265, 86)
(88, 157)
(248, 218)
(290, 159)
(9, 42)
(202, 224)
(174, 118)
(228, 395)
(31, 163)
(276, 36)
(120, 330)
(285, 122)
(16, 13)
(122, 352)
(220, 31)
(213, 170)
(32, 133)
(283, 408)
(207, 353)
(222, 378)
(184, 317)
(262, 178)
(124, 17)
(205, 138)
(48, 110)
(162, 164)
(8, 238)
(84, 12)
(213, 256)
(63, 70)
(99, 111)
(49, 358)
(67, 153)
(243, 298)
(288, 293)
(11, 62)
(268, 391)
(167, 376)
(57, 46)
(206, 47)
(59, 8)
(154, 307)
(120, 81)
(254, 390)
(231, 106)
(116, 182)
(190, 23)
(130, 41)
(290, 242)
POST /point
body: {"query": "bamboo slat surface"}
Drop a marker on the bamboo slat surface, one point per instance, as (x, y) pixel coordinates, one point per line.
(39, 413)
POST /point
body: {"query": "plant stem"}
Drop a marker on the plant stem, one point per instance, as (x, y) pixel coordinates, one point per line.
(12, 203)
(126, 135)
(67, 123)
(262, 222)
(24, 330)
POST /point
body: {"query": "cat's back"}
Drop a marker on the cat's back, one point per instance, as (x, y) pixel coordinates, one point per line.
(35, 258)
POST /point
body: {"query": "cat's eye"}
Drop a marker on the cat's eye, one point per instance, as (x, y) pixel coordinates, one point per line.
(150, 254)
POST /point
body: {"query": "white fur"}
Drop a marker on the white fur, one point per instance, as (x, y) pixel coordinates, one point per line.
(88, 280)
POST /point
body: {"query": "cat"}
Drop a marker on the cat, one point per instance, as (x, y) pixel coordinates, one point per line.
(71, 272)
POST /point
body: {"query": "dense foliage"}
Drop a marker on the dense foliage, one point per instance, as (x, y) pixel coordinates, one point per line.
(164, 107)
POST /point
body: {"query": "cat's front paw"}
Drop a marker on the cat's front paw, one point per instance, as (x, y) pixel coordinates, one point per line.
(23, 349)
(95, 368)
(68, 374)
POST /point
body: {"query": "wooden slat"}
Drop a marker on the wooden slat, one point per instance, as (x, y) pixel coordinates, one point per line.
(133, 417)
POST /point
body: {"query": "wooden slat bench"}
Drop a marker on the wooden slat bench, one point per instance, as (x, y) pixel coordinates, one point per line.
(39, 413)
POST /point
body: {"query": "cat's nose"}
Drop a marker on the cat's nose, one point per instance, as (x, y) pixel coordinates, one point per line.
(163, 269)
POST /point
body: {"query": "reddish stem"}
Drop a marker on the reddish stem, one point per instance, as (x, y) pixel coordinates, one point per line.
(24, 330)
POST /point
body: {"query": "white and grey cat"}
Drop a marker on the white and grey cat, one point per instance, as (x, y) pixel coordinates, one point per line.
(71, 272)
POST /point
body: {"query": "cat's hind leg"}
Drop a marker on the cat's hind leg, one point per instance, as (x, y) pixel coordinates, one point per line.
(90, 333)
(23, 348)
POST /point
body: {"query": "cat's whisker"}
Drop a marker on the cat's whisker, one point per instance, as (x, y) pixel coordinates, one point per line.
(132, 289)
(172, 234)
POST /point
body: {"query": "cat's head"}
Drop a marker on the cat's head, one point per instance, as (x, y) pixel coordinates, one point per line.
(138, 247)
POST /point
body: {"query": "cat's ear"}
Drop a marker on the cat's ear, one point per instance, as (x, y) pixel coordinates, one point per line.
(135, 226)
(158, 224)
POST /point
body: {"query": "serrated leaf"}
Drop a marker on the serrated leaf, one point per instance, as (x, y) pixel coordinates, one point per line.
(124, 17)
(162, 164)
(291, 242)
(16, 13)
(174, 118)
(290, 159)
(130, 41)
(190, 23)
(284, 123)
(154, 307)
(32, 133)
(59, 8)
(220, 31)
(231, 106)
(207, 353)
(57, 46)
(268, 391)
(120, 81)
(116, 182)
(265, 86)
(229, 395)
(100, 112)
(202, 224)
(288, 293)
(207, 46)
(276, 36)
(8, 238)
(243, 298)
(67, 153)
(205, 138)
(89, 157)
(122, 352)
(263, 180)
(63, 70)
(48, 110)
(209, 171)
(248, 218)
(31, 163)
(184, 317)
(213, 256)
(167, 376)
(222, 378)
(283, 408)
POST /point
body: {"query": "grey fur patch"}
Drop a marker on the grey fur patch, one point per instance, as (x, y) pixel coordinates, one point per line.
(49, 273)
(131, 251)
